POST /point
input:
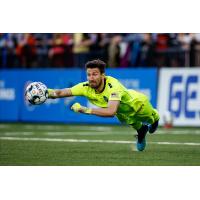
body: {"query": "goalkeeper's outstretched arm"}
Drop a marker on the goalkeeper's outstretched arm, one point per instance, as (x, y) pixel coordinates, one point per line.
(110, 111)
(59, 93)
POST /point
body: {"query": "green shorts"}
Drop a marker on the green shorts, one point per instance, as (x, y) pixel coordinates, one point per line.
(145, 113)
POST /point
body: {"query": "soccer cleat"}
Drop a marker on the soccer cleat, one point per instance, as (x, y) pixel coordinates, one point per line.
(141, 141)
(153, 127)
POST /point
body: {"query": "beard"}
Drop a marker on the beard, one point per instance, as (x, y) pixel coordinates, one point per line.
(95, 86)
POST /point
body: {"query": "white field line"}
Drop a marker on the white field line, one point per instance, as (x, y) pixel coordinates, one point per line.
(63, 133)
(90, 133)
(57, 127)
(131, 132)
(176, 132)
(17, 133)
(94, 141)
(98, 130)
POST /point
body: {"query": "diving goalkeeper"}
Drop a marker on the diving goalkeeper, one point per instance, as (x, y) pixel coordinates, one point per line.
(112, 98)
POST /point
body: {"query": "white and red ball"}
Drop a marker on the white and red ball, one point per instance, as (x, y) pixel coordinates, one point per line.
(36, 93)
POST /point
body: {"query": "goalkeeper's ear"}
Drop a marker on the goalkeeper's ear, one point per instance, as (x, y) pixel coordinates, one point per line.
(103, 75)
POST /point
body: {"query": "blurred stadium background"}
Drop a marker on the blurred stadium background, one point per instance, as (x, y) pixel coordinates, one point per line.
(118, 50)
(166, 67)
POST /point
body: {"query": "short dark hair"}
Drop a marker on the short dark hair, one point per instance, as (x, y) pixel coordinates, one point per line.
(96, 64)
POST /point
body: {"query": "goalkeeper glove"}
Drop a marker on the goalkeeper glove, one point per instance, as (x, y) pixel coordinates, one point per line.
(76, 107)
(51, 93)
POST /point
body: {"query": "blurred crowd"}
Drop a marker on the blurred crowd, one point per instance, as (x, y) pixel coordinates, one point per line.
(36, 50)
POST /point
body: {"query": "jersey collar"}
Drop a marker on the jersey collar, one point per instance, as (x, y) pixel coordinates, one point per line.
(103, 87)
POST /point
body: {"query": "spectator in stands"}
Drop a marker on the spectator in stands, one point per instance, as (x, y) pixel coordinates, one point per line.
(42, 48)
(99, 48)
(29, 51)
(174, 53)
(161, 46)
(114, 50)
(119, 50)
(20, 42)
(195, 50)
(68, 46)
(81, 47)
(57, 51)
(185, 40)
(147, 50)
(7, 50)
(134, 49)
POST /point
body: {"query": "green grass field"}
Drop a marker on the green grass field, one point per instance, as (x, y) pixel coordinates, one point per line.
(95, 145)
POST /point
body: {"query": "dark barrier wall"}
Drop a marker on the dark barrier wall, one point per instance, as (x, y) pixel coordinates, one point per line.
(13, 107)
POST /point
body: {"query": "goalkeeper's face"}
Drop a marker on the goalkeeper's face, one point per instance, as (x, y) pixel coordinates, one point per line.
(95, 78)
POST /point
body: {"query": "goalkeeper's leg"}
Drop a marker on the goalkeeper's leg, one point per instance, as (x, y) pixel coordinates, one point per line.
(142, 130)
(150, 116)
(153, 127)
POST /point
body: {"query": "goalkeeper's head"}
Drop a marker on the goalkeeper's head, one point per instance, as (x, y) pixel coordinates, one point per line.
(96, 64)
(95, 72)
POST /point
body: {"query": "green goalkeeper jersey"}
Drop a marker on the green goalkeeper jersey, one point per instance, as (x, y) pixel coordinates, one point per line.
(130, 100)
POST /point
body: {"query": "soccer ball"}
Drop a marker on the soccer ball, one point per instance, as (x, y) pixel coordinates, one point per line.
(36, 93)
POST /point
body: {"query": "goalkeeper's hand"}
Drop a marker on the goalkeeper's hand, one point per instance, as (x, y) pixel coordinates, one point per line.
(51, 93)
(76, 107)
